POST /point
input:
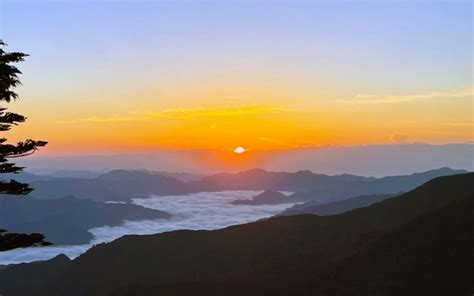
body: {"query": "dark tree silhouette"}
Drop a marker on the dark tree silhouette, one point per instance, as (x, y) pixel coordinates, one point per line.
(8, 81)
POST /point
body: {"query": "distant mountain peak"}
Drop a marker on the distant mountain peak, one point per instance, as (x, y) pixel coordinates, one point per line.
(305, 173)
(267, 197)
(256, 171)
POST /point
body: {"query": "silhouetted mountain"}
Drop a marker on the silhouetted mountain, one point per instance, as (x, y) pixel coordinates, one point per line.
(36, 273)
(268, 197)
(118, 185)
(431, 255)
(337, 207)
(311, 186)
(418, 243)
(67, 220)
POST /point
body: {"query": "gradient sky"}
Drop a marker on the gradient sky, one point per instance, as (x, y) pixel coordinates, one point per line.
(131, 76)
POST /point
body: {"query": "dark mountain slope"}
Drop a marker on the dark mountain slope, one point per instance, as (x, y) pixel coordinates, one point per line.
(67, 220)
(431, 255)
(292, 255)
(337, 207)
(19, 278)
(429, 197)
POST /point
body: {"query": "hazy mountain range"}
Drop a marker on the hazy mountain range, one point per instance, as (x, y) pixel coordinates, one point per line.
(124, 185)
(312, 186)
(417, 243)
(364, 160)
(64, 209)
(117, 185)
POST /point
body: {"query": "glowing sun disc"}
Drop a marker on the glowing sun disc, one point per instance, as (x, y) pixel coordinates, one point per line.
(239, 150)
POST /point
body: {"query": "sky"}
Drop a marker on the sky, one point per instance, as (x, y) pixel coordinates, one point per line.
(108, 76)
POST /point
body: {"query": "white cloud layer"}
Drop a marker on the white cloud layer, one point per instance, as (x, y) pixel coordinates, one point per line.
(204, 210)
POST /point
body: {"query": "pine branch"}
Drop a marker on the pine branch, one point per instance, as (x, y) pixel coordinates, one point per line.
(20, 149)
(10, 241)
(15, 188)
(8, 119)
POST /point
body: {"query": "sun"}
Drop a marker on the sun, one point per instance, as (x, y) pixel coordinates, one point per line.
(239, 150)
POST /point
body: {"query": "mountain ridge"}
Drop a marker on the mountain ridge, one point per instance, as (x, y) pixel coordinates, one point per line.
(336, 207)
(299, 254)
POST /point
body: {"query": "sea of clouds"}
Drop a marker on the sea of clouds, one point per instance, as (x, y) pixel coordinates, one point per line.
(203, 210)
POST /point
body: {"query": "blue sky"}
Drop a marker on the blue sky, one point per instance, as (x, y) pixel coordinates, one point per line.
(355, 38)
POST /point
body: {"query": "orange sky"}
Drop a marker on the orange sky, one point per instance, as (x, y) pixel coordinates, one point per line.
(256, 127)
(192, 76)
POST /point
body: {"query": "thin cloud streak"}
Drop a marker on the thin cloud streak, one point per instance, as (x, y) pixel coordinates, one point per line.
(200, 112)
(393, 99)
(96, 119)
(276, 141)
(185, 113)
(462, 124)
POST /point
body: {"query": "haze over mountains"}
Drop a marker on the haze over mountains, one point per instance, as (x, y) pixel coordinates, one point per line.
(124, 185)
(366, 160)
(313, 186)
(82, 218)
(420, 241)
(118, 185)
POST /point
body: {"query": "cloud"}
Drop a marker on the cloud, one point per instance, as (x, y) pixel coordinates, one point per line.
(462, 123)
(202, 112)
(97, 119)
(278, 142)
(204, 210)
(184, 113)
(393, 99)
(398, 139)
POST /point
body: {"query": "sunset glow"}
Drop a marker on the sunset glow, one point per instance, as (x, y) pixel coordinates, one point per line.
(201, 86)
(239, 150)
(219, 147)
